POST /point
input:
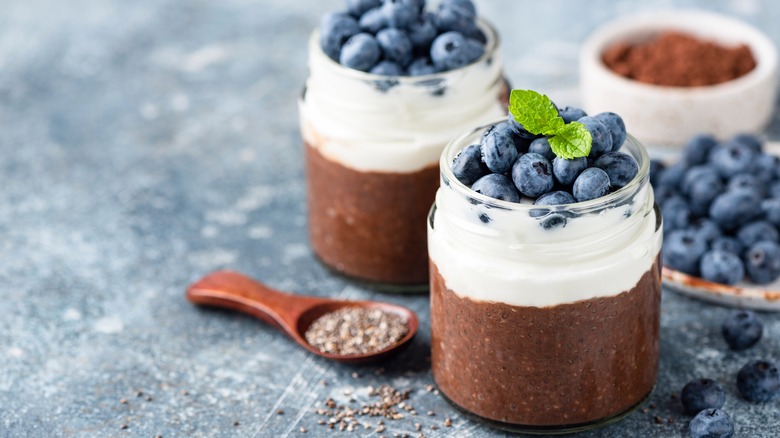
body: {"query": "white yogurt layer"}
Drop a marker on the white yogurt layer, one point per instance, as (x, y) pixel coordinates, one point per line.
(513, 260)
(404, 128)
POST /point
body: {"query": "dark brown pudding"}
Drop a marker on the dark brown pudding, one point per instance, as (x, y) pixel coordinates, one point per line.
(370, 225)
(564, 365)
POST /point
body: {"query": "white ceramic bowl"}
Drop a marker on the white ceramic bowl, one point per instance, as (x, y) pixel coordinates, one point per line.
(662, 115)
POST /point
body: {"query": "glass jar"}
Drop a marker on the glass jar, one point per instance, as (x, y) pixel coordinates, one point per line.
(545, 319)
(372, 147)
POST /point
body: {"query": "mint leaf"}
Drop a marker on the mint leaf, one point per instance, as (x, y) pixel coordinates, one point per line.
(535, 112)
(571, 141)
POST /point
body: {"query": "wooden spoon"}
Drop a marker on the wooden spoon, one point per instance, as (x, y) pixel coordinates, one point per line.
(293, 314)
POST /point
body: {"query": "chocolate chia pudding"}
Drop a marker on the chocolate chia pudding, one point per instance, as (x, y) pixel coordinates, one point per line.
(370, 224)
(540, 328)
(372, 149)
(568, 364)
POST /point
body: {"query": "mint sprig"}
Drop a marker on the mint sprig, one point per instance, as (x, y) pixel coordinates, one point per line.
(538, 115)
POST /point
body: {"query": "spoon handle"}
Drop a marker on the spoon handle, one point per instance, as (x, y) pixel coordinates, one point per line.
(231, 290)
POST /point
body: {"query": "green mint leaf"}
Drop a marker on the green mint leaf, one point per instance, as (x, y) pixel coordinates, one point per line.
(535, 112)
(571, 141)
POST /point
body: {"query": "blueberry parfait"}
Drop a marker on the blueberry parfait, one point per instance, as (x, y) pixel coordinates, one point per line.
(721, 207)
(390, 83)
(544, 250)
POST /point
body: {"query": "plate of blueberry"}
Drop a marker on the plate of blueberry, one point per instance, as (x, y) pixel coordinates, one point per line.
(721, 210)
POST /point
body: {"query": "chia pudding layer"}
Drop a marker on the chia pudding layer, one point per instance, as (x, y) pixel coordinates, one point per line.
(370, 224)
(561, 365)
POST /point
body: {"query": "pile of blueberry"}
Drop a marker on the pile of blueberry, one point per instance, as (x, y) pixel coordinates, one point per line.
(758, 381)
(510, 164)
(721, 209)
(399, 38)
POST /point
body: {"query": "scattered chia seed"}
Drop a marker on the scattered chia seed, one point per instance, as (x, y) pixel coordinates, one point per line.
(447, 422)
(124, 426)
(280, 412)
(123, 401)
(148, 398)
(353, 331)
(236, 423)
(303, 429)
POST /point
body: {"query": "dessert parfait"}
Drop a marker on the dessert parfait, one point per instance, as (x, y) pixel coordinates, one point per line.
(544, 247)
(389, 85)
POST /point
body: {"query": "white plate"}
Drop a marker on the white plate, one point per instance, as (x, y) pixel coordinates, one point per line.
(743, 295)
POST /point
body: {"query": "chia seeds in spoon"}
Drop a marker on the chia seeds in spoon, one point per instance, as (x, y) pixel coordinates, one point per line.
(354, 331)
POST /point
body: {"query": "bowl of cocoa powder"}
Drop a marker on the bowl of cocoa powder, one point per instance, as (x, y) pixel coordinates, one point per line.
(674, 74)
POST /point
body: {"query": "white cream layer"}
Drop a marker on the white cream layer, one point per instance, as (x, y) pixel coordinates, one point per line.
(513, 260)
(402, 129)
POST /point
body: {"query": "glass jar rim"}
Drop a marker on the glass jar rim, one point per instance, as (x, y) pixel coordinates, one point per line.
(491, 46)
(593, 205)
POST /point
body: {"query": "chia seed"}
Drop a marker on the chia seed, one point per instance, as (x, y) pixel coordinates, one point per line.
(354, 331)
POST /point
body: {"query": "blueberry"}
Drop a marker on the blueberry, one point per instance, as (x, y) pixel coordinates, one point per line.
(571, 114)
(520, 131)
(701, 193)
(422, 33)
(335, 29)
(721, 267)
(455, 16)
(766, 168)
(542, 147)
(656, 168)
(735, 208)
(699, 173)
(748, 140)
(602, 139)
(567, 171)
(732, 158)
(701, 394)
(421, 67)
(728, 244)
(468, 166)
(741, 329)
(673, 175)
(474, 49)
(395, 45)
(558, 197)
(476, 34)
(676, 213)
(615, 126)
(770, 209)
(759, 381)
(497, 186)
(466, 5)
(592, 183)
(498, 148)
(360, 52)
(387, 68)
(532, 175)
(762, 262)
(757, 231)
(360, 7)
(698, 149)
(774, 189)
(711, 423)
(662, 193)
(373, 20)
(620, 167)
(682, 250)
(450, 51)
(706, 228)
(399, 13)
(747, 181)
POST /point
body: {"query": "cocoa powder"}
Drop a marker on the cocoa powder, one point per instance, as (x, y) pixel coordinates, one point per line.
(679, 60)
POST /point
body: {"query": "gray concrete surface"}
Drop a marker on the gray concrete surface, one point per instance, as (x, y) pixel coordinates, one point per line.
(146, 143)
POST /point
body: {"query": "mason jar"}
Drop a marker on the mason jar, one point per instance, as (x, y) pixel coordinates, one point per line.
(545, 318)
(372, 147)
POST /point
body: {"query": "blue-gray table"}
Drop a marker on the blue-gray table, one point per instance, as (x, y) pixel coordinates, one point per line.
(146, 143)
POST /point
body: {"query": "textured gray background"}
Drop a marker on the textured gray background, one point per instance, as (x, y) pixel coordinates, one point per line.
(145, 143)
